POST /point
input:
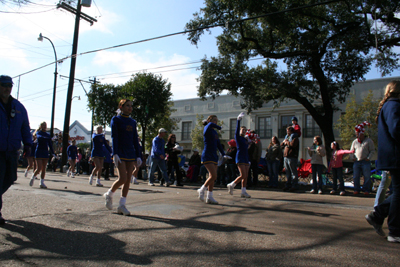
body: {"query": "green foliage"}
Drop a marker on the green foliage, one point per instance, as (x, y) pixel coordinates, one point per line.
(83, 146)
(357, 113)
(197, 133)
(326, 49)
(151, 101)
(103, 100)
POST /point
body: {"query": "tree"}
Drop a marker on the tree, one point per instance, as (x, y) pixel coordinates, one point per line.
(151, 96)
(357, 113)
(326, 49)
(103, 100)
(151, 100)
(165, 121)
(197, 133)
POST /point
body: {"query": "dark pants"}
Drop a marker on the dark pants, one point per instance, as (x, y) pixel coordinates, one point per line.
(338, 174)
(8, 172)
(175, 164)
(106, 166)
(221, 175)
(232, 172)
(317, 169)
(253, 180)
(391, 206)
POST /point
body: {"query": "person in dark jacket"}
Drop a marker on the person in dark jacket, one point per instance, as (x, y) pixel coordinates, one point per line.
(273, 158)
(194, 164)
(232, 170)
(14, 128)
(388, 118)
(172, 150)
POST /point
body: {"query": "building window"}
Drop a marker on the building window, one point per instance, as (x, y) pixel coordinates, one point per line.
(286, 121)
(186, 130)
(311, 128)
(264, 127)
(210, 105)
(232, 128)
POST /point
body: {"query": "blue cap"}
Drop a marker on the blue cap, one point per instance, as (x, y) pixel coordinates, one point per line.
(294, 118)
(5, 79)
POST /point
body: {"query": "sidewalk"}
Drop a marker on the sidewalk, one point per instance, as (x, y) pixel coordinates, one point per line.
(68, 225)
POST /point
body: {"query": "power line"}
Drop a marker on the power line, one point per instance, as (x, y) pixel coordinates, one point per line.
(188, 31)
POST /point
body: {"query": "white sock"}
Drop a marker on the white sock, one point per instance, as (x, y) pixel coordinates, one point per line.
(98, 180)
(110, 193)
(243, 190)
(122, 201)
(42, 181)
(203, 188)
(233, 184)
(209, 194)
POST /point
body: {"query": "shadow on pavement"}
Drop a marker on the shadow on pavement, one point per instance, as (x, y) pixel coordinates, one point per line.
(200, 225)
(67, 244)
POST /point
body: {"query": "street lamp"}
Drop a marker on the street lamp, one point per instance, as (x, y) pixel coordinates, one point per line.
(77, 96)
(55, 84)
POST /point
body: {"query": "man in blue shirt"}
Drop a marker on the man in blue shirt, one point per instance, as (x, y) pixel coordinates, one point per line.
(158, 157)
(14, 128)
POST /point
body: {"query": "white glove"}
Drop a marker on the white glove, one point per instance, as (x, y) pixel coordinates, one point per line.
(138, 162)
(227, 157)
(116, 160)
(241, 115)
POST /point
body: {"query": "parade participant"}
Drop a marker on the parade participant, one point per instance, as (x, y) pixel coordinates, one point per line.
(14, 129)
(72, 152)
(273, 157)
(336, 166)
(364, 149)
(98, 154)
(317, 152)
(136, 170)
(209, 157)
(242, 158)
(31, 157)
(44, 145)
(388, 119)
(107, 162)
(126, 153)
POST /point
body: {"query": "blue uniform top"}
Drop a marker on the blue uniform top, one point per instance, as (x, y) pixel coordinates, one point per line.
(98, 142)
(158, 147)
(389, 135)
(125, 138)
(14, 126)
(72, 152)
(211, 144)
(242, 155)
(44, 143)
(107, 155)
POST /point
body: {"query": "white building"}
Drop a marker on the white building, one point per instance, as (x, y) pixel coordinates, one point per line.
(82, 135)
(266, 121)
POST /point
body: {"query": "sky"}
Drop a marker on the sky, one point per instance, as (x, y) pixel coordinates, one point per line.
(118, 22)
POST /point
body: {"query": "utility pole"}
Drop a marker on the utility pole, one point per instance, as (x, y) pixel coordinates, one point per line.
(78, 16)
(91, 127)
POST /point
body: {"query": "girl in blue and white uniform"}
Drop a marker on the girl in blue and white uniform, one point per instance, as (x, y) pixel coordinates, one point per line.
(127, 154)
(44, 145)
(242, 158)
(72, 152)
(209, 157)
(98, 154)
(31, 157)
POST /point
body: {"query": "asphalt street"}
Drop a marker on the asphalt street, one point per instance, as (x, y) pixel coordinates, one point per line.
(68, 225)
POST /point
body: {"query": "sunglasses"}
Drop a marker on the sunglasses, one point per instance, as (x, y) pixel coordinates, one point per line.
(9, 85)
